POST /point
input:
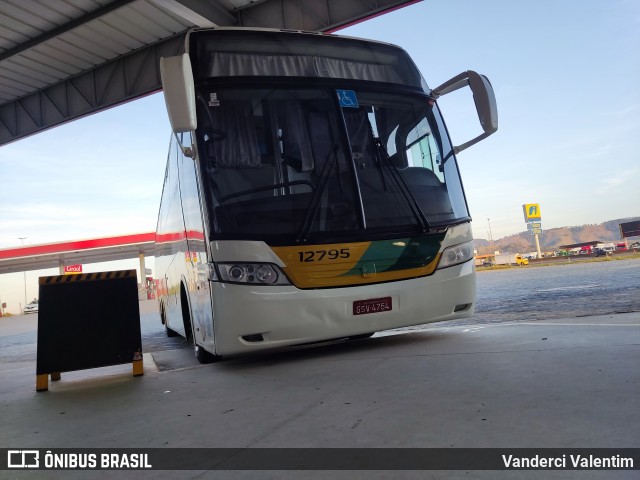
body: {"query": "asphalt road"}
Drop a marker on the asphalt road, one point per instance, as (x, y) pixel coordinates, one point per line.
(558, 291)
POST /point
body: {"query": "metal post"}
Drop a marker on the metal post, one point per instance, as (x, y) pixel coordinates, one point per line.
(143, 276)
(24, 274)
(490, 234)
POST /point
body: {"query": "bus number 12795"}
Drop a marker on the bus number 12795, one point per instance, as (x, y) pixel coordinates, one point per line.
(319, 255)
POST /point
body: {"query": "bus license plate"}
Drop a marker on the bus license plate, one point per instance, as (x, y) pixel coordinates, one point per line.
(373, 305)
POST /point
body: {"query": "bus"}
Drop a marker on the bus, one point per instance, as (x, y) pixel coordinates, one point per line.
(311, 192)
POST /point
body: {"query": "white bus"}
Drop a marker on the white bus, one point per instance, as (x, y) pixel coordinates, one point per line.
(311, 192)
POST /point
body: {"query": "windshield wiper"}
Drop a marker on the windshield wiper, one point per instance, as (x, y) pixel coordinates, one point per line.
(383, 157)
(314, 205)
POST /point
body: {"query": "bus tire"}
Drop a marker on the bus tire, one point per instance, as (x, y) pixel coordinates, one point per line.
(170, 333)
(163, 317)
(203, 356)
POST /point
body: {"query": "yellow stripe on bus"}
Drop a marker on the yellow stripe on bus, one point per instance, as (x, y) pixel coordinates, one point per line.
(339, 265)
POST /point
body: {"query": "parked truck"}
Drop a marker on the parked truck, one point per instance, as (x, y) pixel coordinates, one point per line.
(510, 259)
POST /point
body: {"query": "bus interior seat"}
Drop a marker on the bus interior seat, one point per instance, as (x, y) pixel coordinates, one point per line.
(423, 184)
(430, 192)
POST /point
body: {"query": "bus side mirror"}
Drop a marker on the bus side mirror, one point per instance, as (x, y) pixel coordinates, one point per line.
(179, 92)
(483, 97)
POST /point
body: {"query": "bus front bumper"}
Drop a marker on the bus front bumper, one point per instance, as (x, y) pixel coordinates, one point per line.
(249, 318)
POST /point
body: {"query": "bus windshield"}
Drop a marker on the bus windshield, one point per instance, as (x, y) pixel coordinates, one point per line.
(300, 165)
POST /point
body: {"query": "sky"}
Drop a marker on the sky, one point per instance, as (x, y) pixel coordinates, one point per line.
(565, 74)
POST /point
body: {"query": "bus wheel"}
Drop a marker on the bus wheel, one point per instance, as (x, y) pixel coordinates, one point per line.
(169, 332)
(163, 317)
(361, 336)
(205, 357)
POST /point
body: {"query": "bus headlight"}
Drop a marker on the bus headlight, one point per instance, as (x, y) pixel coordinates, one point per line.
(252, 273)
(456, 254)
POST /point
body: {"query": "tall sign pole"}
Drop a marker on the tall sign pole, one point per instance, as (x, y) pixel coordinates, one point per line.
(535, 235)
(533, 219)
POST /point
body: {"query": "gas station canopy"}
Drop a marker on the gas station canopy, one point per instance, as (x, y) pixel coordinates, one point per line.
(62, 60)
(94, 250)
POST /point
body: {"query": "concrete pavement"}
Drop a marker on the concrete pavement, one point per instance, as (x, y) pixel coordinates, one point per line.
(568, 383)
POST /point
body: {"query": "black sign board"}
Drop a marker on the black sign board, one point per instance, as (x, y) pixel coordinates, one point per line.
(630, 229)
(88, 321)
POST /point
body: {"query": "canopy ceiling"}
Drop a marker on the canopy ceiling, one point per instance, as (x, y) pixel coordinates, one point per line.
(64, 59)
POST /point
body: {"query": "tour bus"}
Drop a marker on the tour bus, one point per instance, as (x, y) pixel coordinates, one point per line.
(311, 192)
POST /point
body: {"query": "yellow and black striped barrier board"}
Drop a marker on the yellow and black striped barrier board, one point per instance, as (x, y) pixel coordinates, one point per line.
(86, 277)
(86, 321)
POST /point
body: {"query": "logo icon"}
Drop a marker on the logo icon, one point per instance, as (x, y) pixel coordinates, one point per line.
(23, 459)
(531, 212)
(72, 269)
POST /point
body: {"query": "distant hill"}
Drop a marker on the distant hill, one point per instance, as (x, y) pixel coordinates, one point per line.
(552, 239)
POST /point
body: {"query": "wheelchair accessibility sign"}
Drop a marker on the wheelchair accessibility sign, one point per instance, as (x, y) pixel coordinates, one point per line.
(347, 98)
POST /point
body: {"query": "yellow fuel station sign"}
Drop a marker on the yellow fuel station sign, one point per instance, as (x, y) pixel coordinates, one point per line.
(531, 212)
